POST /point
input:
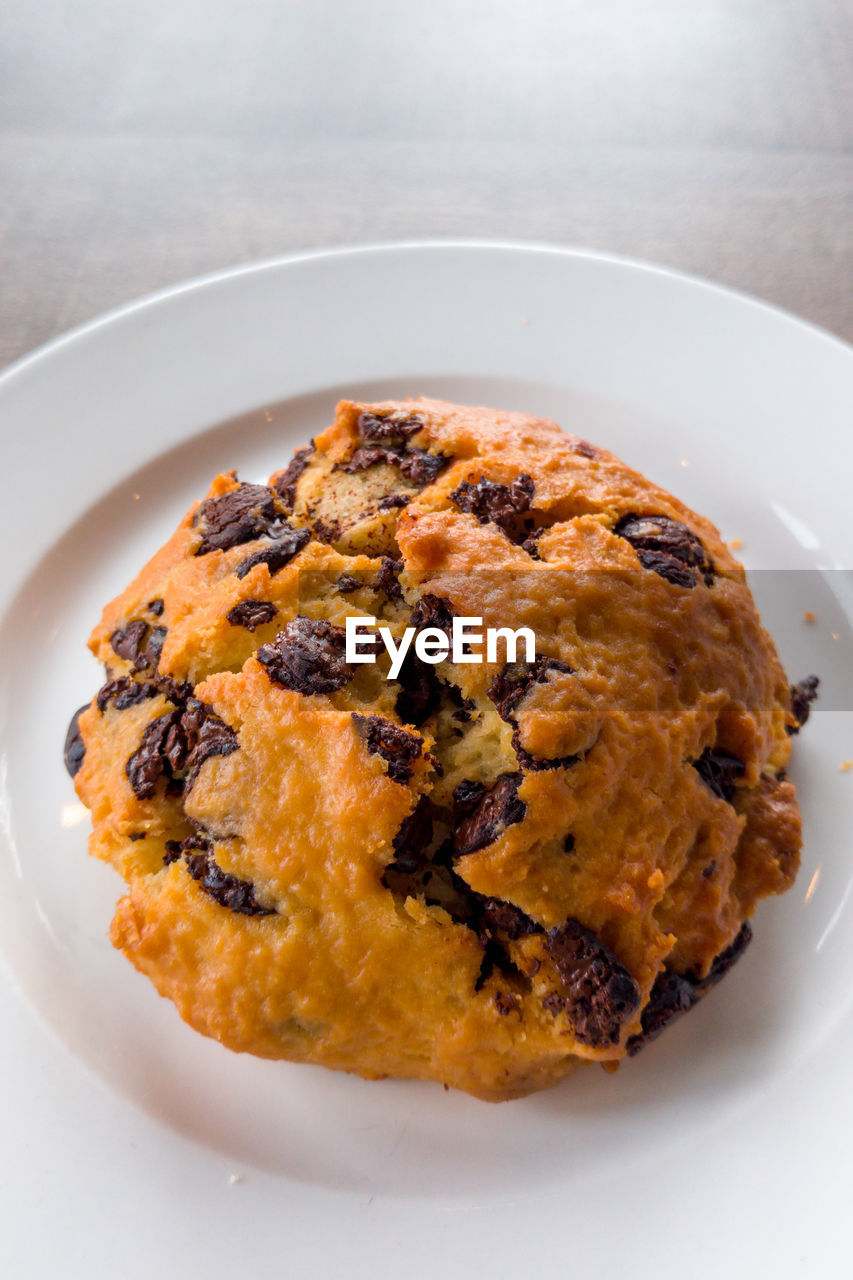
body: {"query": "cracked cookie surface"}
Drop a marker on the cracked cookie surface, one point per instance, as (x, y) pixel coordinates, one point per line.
(479, 873)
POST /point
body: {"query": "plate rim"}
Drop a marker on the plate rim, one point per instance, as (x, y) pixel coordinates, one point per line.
(192, 284)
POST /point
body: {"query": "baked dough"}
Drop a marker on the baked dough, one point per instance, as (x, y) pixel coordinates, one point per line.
(478, 873)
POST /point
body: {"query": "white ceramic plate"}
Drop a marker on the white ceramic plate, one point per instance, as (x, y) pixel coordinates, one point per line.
(722, 1149)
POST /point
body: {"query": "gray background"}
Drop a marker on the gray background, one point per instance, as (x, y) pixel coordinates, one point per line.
(145, 141)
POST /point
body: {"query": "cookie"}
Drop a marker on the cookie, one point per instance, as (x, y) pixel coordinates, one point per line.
(479, 872)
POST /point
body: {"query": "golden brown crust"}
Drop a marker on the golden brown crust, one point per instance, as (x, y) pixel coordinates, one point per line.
(477, 873)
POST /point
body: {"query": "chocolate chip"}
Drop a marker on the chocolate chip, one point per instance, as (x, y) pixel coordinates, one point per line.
(512, 684)
(285, 484)
(346, 584)
(719, 771)
(413, 838)
(392, 500)
(386, 579)
(247, 512)
(128, 642)
(568, 843)
(668, 548)
(148, 763)
(505, 1002)
(467, 796)
(229, 891)
(397, 747)
(671, 996)
(205, 736)
(175, 746)
(421, 467)
(307, 656)
(125, 691)
(492, 502)
(139, 644)
(156, 607)
(503, 917)
(674, 994)
(365, 456)
(803, 695)
(417, 465)
(497, 809)
(598, 993)
(154, 647)
(136, 835)
(251, 614)
(326, 530)
(508, 690)
(432, 611)
(277, 554)
(420, 688)
(75, 747)
(394, 425)
(531, 543)
(420, 691)
(584, 448)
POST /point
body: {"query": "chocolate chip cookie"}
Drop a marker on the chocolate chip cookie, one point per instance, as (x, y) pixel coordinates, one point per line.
(476, 872)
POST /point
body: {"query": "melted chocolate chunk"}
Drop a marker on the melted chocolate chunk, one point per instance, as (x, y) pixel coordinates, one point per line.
(466, 797)
(125, 691)
(156, 607)
(327, 530)
(229, 891)
(278, 553)
(251, 614)
(674, 994)
(503, 917)
(396, 746)
(531, 543)
(671, 996)
(511, 685)
(307, 656)
(128, 642)
(149, 763)
(497, 809)
(285, 485)
(417, 465)
(420, 691)
(75, 747)
(803, 695)
(495, 503)
(346, 584)
(205, 735)
(598, 993)
(420, 687)
(414, 837)
(420, 466)
(432, 611)
(668, 548)
(393, 426)
(250, 511)
(139, 644)
(392, 500)
(719, 771)
(386, 579)
(175, 746)
(507, 691)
